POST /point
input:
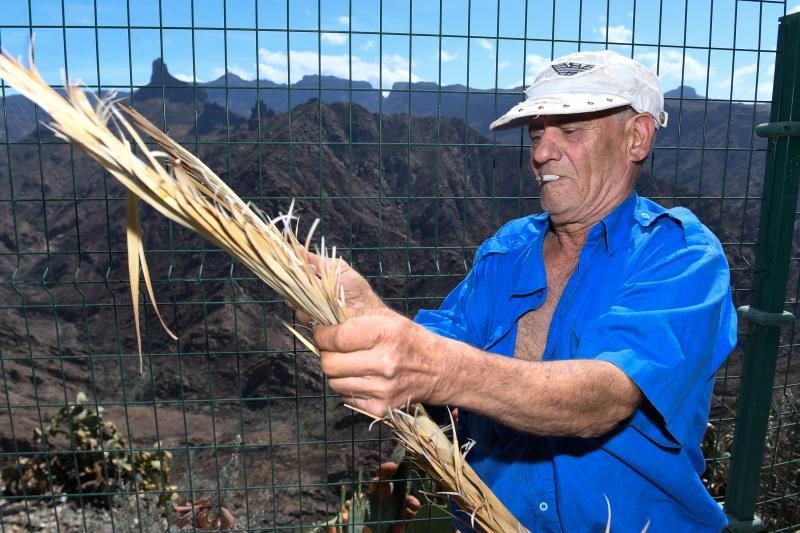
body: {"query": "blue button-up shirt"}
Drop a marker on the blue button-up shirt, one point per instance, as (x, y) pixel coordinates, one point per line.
(651, 295)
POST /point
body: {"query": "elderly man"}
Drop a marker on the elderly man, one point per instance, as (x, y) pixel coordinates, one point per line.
(581, 348)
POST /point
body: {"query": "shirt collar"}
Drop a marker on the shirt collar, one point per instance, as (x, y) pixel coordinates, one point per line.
(614, 230)
(615, 227)
(532, 262)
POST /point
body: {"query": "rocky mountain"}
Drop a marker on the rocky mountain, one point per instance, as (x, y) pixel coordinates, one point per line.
(411, 216)
(410, 195)
(408, 185)
(477, 107)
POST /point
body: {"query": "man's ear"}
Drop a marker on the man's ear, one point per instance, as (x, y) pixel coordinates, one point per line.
(641, 132)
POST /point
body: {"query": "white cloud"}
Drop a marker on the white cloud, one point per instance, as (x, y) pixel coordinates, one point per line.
(765, 90)
(739, 75)
(368, 45)
(446, 56)
(233, 69)
(344, 21)
(793, 9)
(242, 73)
(273, 65)
(393, 68)
(503, 65)
(534, 64)
(615, 34)
(673, 68)
(743, 72)
(216, 73)
(334, 38)
(486, 44)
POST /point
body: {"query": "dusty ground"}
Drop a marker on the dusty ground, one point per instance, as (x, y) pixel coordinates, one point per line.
(281, 454)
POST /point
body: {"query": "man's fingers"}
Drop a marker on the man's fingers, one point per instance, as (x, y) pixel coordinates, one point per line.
(358, 333)
(379, 482)
(353, 389)
(315, 262)
(412, 507)
(302, 318)
(375, 408)
(361, 363)
(387, 470)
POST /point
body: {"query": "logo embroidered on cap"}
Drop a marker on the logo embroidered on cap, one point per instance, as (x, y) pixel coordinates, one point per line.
(570, 69)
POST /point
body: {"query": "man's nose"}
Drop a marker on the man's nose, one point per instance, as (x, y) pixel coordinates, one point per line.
(545, 150)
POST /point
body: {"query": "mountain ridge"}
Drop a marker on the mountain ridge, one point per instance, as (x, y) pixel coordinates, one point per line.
(240, 96)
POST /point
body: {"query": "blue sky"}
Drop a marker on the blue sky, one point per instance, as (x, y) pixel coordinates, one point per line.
(485, 43)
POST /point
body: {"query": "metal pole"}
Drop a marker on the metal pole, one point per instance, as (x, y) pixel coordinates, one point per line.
(766, 316)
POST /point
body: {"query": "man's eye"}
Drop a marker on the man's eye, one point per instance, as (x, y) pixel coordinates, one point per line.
(569, 131)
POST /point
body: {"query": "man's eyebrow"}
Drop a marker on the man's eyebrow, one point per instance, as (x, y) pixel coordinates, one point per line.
(538, 125)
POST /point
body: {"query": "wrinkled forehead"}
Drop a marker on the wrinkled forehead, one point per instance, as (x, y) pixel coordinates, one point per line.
(539, 122)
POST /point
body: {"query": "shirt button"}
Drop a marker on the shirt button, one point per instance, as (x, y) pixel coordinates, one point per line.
(645, 216)
(543, 506)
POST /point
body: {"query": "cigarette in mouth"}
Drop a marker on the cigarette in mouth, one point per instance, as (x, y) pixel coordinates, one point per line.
(547, 177)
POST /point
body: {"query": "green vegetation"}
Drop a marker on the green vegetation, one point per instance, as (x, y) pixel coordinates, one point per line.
(83, 455)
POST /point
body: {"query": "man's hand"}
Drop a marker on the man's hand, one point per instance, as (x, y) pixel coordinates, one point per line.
(381, 484)
(382, 360)
(359, 297)
(384, 488)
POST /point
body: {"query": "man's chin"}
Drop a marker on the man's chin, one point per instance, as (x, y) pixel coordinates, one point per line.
(556, 205)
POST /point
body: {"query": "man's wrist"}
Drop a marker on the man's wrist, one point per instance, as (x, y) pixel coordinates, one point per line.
(438, 350)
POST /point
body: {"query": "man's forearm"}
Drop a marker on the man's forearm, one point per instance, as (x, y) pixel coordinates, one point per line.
(580, 397)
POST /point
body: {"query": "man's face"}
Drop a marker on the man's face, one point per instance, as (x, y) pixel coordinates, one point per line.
(580, 163)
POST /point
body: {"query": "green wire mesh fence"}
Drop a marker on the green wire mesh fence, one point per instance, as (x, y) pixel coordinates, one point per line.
(372, 116)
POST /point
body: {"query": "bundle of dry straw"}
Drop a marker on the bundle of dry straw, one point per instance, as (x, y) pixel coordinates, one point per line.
(179, 186)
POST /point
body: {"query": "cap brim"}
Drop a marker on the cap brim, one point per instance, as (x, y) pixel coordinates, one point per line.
(567, 104)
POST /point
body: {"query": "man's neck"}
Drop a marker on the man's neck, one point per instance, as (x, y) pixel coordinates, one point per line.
(568, 237)
(566, 240)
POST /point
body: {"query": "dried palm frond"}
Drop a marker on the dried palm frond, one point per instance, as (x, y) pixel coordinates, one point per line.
(187, 192)
(441, 457)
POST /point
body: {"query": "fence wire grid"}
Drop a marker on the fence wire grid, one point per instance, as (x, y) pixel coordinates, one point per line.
(372, 116)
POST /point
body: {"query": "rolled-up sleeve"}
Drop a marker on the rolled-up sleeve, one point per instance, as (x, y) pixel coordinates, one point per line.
(669, 329)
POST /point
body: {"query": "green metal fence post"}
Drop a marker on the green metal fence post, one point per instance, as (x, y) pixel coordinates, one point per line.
(766, 315)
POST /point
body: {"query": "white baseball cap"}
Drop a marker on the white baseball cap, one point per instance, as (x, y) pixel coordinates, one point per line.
(588, 81)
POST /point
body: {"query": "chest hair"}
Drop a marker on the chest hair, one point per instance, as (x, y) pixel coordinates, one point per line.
(534, 325)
